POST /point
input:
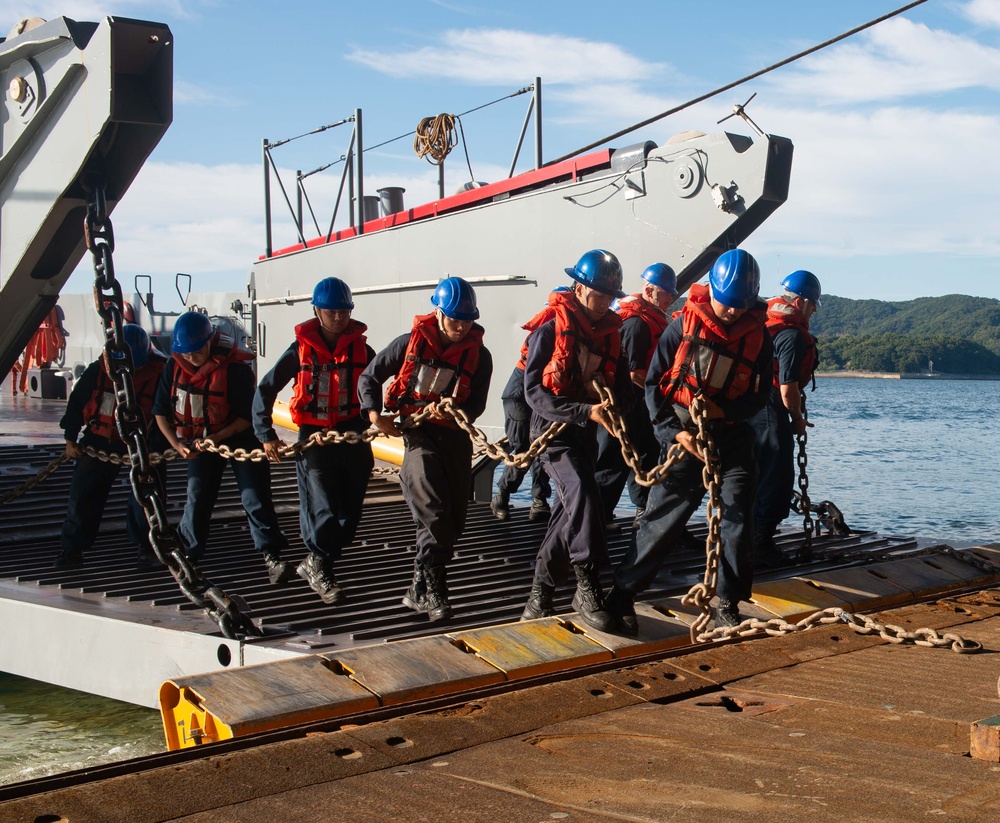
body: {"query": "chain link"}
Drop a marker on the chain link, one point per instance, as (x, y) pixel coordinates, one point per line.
(862, 624)
(28, 485)
(130, 422)
(805, 553)
(701, 594)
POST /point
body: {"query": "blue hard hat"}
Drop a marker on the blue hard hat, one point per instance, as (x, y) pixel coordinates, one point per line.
(599, 270)
(804, 284)
(192, 331)
(561, 290)
(735, 279)
(456, 299)
(661, 276)
(138, 343)
(333, 294)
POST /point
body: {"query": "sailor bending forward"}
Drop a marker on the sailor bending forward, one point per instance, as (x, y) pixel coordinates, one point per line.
(517, 429)
(325, 361)
(91, 407)
(442, 356)
(644, 317)
(717, 349)
(566, 355)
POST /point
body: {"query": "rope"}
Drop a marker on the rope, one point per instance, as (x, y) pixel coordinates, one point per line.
(435, 138)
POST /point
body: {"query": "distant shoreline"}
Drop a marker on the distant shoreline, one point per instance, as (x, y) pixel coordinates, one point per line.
(878, 375)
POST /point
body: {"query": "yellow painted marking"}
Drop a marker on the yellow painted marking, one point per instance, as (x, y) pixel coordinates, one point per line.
(237, 702)
(794, 598)
(532, 648)
(415, 669)
(657, 632)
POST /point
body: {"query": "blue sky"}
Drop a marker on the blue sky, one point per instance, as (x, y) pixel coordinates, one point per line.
(896, 130)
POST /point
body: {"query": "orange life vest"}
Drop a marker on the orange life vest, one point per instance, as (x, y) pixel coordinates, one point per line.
(200, 397)
(326, 388)
(99, 410)
(540, 319)
(780, 316)
(636, 305)
(714, 359)
(584, 350)
(431, 371)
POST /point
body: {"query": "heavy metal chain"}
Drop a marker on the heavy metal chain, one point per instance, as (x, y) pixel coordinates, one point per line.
(630, 454)
(701, 594)
(805, 553)
(862, 624)
(130, 421)
(28, 485)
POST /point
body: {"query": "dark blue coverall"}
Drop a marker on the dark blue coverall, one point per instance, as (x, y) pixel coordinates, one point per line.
(436, 475)
(612, 470)
(93, 479)
(332, 479)
(672, 503)
(205, 472)
(576, 532)
(517, 427)
(775, 448)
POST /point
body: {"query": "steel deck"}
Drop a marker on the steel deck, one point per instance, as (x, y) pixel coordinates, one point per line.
(489, 578)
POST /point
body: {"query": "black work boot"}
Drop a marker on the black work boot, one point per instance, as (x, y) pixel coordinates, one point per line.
(416, 596)
(317, 571)
(727, 614)
(539, 511)
(539, 601)
(500, 505)
(437, 605)
(278, 571)
(621, 606)
(68, 559)
(589, 599)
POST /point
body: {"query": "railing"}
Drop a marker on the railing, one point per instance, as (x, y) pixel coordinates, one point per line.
(352, 176)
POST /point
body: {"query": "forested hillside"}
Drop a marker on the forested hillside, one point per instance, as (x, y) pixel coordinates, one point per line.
(960, 334)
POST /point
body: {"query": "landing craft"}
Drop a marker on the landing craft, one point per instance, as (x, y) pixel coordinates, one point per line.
(682, 203)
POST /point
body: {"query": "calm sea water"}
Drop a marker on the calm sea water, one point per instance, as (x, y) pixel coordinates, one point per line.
(901, 457)
(46, 730)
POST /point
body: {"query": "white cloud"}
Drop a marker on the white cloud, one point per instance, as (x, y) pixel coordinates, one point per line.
(500, 56)
(983, 12)
(892, 182)
(897, 59)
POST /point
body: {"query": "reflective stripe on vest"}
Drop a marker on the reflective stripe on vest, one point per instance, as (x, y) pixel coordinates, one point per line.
(430, 371)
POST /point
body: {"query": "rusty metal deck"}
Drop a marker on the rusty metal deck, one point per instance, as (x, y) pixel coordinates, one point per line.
(825, 725)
